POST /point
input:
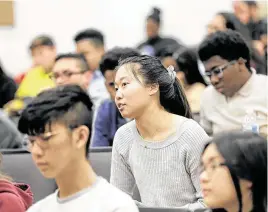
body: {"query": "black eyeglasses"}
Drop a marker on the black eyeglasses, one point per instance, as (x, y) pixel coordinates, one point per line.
(210, 168)
(219, 70)
(65, 74)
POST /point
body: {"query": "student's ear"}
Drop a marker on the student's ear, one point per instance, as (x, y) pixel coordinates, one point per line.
(242, 63)
(80, 138)
(153, 89)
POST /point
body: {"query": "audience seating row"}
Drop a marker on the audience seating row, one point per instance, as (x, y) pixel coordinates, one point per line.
(18, 164)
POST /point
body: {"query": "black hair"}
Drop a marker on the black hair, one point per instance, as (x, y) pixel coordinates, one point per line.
(229, 45)
(172, 97)
(41, 40)
(155, 15)
(79, 57)
(245, 155)
(67, 104)
(187, 61)
(233, 23)
(110, 59)
(251, 3)
(230, 19)
(93, 35)
(166, 51)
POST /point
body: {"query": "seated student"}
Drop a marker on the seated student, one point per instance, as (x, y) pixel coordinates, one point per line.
(10, 137)
(14, 197)
(58, 123)
(236, 91)
(190, 77)
(108, 118)
(159, 150)
(91, 44)
(44, 53)
(71, 68)
(37, 79)
(234, 173)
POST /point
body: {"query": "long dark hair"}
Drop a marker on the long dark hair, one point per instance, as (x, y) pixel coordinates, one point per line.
(245, 155)
(187, 61)
(172, 97)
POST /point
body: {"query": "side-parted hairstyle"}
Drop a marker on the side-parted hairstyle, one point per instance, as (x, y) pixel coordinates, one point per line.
(229, 45)
(111, 58)
(67, 104)
(79, 57)
(95, 36)
(41, 40)
(172, 97)
(245, 156)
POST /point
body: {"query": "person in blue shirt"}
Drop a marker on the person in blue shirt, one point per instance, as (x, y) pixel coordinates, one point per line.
(108, 118)
(91, 44)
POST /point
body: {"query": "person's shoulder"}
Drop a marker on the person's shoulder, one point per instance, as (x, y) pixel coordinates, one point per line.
(191, 131)
(115, 198)
(260, 78)
(209, 91)
(124, 135)
(209, 96)
(198, 86)
(105, 105)
(42, 204)
(126, 130)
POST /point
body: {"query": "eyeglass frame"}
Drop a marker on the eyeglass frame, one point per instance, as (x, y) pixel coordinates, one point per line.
(219, 69)
(45, 137)
(69, 75)
(210, 173)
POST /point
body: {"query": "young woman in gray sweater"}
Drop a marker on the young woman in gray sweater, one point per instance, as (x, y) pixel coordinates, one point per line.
(159, 151)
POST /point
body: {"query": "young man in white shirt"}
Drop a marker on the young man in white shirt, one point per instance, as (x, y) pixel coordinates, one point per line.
(58, 124)
(236, 89)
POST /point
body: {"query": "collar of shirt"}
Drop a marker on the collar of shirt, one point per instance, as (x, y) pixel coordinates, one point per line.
(97, 75)
(247, 87)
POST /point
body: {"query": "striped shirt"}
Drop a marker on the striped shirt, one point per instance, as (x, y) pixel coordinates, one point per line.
(166, 172)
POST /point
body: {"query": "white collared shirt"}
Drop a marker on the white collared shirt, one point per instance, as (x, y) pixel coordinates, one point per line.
(219, 113)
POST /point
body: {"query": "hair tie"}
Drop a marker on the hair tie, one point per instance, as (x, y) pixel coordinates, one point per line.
(171, 73)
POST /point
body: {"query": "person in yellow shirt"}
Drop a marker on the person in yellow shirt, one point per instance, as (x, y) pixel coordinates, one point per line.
(43, 51)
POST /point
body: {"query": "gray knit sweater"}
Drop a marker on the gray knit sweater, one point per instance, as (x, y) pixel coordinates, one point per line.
(165, 172)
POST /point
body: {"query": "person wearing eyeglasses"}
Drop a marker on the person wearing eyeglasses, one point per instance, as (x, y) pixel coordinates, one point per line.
(108, 118)
(235, 87)
(71, 68)
(233, 174)
(58, 125)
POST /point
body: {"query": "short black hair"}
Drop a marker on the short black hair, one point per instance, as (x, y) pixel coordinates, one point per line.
(166, 51)
(79, 57)
(67, 104)
(251, 3)
(110, 59)
(229, 45)
(41, 40)
(93, 35)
